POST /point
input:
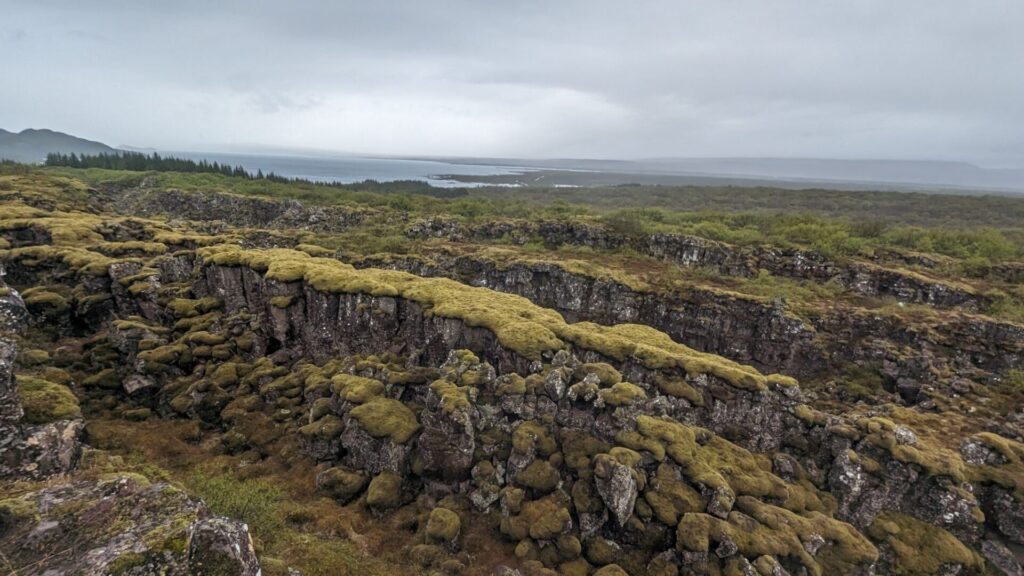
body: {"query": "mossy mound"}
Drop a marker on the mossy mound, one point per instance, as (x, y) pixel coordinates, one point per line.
(384, 491)
(341, 484)
(919, 548)
(387, 418)
(729, 470)
(443, 526)
(758, 529)
(46, 401)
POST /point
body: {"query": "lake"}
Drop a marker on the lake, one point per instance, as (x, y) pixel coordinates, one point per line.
(352, 168)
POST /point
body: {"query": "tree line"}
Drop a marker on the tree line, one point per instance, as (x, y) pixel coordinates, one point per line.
(139, 162)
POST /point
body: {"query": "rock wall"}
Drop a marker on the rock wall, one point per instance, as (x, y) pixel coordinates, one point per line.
(27, 450)
(319, 326)
(749, 331)
(859, 277)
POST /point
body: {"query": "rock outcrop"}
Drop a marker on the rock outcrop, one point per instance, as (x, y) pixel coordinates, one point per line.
(121, 525)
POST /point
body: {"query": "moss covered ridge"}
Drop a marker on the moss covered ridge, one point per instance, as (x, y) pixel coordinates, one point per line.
(519, 325)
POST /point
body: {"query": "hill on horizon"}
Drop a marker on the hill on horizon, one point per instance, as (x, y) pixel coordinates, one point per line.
(32, 145)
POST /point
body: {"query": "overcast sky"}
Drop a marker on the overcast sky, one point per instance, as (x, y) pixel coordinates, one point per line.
(926, 79)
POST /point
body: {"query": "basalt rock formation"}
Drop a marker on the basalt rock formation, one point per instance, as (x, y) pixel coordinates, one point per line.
(509, 419)
(752, 331)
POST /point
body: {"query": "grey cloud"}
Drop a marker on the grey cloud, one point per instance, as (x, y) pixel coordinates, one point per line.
(914, 79)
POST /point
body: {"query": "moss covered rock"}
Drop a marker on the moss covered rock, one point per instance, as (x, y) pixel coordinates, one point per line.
(46, 401)
(341, 484)
(443, 526)
(385, 491)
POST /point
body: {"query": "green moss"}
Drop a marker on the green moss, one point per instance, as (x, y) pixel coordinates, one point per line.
(606, 374)
(136, 323)
(204, 338)
(116, 248)
(543, 519)
(1009, 474)
(384, 491)
(146, 274)
(187, 308)
(764, 529)
(623, 394)
(341, 484)
(126, 562)
(281, 301)
(679, 388)
(936, 460)
(158, 358)
(39, 298)
(140, 287)
(327, 428)
(511, 385)
(712, 461)
(531, 434)
(611, 570)
(920, 548)
(669, 497)
(384, 417)
(200, 322)
(106, 378)
(225, 374)
(33, 357)
(14, 510)
(443, 525)
(453, 397)
(356, 389)
(578, 448)
(540, 475)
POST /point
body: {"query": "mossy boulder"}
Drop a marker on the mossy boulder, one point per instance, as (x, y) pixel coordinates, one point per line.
(611, 570)
(385, 491)
(387, 418)
(46, 401)
(107, 378)
(920, 548)
(341, 484)
(443, 526)
(356, 389)
(539, 475)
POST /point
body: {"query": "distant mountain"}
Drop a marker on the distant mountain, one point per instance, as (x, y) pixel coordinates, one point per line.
(33, 145)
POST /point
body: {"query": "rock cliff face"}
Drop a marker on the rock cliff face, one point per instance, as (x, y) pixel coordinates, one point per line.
(754, 332)
(27, 450)
(319, 325)
(862, 278)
